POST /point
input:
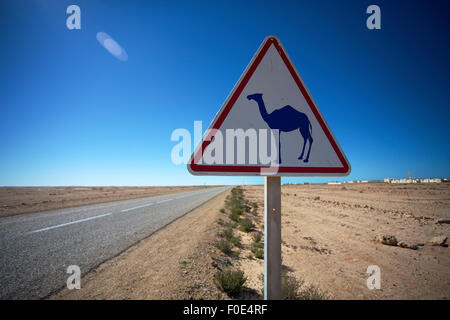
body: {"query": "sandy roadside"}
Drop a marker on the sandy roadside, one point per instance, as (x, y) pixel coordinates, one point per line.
(159, 267)
(18, 200)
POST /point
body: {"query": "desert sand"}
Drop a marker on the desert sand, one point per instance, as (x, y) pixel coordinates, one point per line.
(328, 236)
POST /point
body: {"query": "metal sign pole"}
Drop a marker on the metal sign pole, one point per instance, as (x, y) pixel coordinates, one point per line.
(272, 238)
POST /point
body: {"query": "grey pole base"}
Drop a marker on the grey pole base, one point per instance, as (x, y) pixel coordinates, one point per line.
(272, 238)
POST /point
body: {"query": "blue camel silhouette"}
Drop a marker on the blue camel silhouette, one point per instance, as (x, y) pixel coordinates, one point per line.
(286, 119)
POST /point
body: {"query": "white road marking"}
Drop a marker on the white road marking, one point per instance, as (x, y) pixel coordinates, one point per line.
(164, 200)
(145, 205)
(152, 203)
(68, 223)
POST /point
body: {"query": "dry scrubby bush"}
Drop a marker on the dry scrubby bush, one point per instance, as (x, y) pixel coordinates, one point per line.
(236, 202)
(237, 209)
(246, 225)
(184, 264)
(289, 288)
(236, 197)
(258, 253)
(230, 225)
(236, 241)
(257, 237)
(235, 217)
(293, 289)
(228, 234)
(230, 281)
(257, 247)
(311, 293)
(223, 245)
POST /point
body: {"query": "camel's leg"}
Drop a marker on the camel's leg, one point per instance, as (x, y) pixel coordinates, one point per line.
(279, 145)
(309, 150)
(303, 149)
(305, 139)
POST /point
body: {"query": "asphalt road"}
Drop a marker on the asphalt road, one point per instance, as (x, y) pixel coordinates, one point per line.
(37, 248)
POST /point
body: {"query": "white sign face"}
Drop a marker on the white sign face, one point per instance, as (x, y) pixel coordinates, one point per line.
(269, 125)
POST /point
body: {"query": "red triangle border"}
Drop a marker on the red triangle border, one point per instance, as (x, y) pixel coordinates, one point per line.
(256, 170)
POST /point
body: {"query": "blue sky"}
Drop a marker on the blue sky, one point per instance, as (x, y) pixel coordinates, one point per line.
(72, 114)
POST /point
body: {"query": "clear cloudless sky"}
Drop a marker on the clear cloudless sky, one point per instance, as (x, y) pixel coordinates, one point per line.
(73, 114)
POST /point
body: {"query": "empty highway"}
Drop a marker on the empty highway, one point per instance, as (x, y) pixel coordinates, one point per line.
(37, 248)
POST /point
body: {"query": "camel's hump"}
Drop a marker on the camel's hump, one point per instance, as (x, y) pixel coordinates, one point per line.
(287, 111)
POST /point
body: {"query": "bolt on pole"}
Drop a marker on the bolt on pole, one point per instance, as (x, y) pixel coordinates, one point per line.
(272, 238)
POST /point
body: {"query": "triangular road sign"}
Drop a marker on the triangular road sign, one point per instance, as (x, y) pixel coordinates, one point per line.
(269, 125)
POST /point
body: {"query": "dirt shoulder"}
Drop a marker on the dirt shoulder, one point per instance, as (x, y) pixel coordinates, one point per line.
(162, 265)
(18, 200)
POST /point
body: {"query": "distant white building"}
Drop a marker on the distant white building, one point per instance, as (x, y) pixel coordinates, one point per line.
(387, 180)
(431, 180)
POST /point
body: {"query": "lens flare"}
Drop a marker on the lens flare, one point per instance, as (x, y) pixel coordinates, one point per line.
(112, 46)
